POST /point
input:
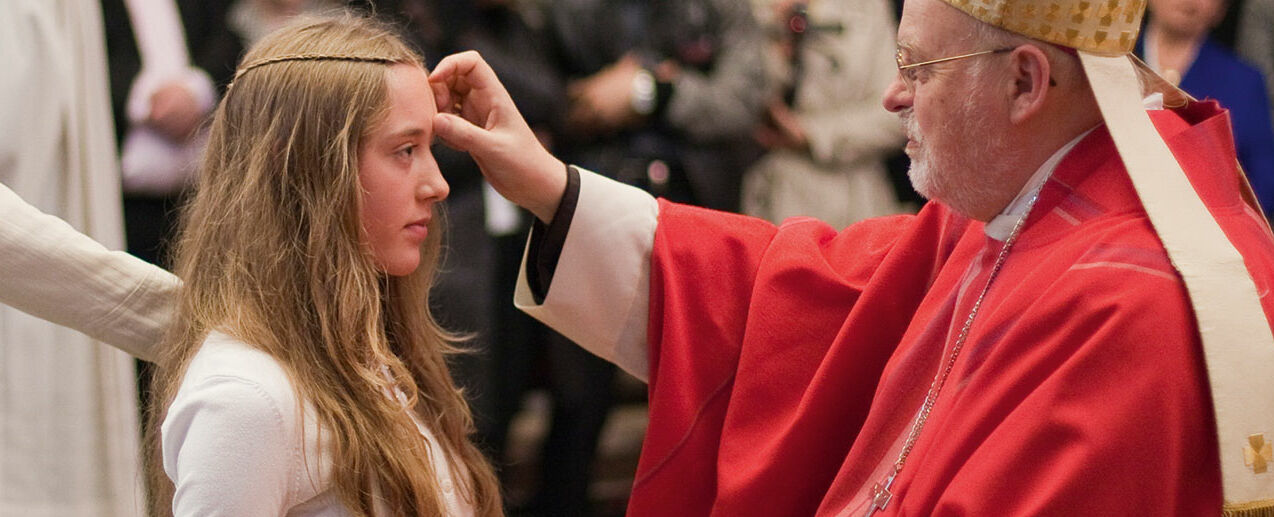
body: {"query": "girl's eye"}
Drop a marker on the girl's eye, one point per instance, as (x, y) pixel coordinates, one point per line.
(407, 152)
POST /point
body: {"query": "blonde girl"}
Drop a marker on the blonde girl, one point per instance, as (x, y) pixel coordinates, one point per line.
(305, 374)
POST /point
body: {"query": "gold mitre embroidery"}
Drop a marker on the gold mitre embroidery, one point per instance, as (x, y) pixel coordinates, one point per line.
(1106, 27)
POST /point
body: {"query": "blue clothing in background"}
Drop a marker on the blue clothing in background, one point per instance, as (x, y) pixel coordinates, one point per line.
(1217, 73)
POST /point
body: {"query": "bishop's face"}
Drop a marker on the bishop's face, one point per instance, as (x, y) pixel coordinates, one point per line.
(949, 109)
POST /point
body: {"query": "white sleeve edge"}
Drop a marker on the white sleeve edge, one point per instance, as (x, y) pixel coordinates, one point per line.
(600, 293)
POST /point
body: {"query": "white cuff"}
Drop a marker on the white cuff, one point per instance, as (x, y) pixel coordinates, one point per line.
(600, 294)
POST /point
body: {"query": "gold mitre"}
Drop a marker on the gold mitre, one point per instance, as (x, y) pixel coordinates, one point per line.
(1103, 28)
(1237, 343)
(1107, 27)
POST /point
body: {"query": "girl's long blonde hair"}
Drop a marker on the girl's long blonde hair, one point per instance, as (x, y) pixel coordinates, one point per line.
(271, 252)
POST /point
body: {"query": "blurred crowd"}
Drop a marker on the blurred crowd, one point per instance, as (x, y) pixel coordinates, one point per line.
(767, 107)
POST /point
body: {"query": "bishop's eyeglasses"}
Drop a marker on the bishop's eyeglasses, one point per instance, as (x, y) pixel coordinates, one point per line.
(907, 71)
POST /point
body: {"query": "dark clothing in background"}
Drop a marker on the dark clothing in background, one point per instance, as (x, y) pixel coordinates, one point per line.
(150, 221)
(1217, 73)
(212, 46)
(474, 290)
(701, 129)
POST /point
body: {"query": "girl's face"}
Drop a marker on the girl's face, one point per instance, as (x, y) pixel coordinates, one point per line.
(399, 177)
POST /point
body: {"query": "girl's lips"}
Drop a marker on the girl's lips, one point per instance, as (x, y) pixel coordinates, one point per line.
(418, 229)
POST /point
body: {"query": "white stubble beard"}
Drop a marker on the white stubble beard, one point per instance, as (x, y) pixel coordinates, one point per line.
(951, 176)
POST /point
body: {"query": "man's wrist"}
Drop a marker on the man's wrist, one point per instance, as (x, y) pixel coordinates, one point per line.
(556, 184)
(548, 240)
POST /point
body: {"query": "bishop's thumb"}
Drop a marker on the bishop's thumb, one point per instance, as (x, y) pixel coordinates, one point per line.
(459, 133)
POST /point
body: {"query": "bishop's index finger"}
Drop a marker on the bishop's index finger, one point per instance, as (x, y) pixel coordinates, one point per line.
(442, 96)
(467, 74)
(464, 70)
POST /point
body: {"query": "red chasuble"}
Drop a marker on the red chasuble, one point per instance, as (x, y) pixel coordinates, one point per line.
(786, 364)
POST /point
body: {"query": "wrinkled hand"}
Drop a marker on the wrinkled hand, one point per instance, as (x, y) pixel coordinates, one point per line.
(603, 101)
(174, 111)
(476, 115)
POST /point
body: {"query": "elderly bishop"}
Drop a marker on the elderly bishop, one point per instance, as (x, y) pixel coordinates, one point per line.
(1076, 324)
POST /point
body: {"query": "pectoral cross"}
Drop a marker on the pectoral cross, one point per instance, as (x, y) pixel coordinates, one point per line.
(880, 494)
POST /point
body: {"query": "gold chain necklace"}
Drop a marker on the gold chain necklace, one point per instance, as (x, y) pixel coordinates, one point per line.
(880, 491)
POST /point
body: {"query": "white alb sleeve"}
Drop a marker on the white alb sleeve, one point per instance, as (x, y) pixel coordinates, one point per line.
(600, 294)
(54, 272)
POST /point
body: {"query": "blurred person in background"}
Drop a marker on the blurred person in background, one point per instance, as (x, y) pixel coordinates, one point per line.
(833, 60)
(668, 92)
(511, 34)
(68, 408)
(169, 62)
(668, 132)
(1256, 40)
(253, 19)
(485, 240)
(663, 95)
(1176, 44)
(463, 298)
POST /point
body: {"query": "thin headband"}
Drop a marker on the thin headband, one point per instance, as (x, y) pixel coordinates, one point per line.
(306, 57)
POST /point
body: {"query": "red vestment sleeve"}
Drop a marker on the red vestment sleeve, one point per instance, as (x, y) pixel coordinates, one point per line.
(735, 296)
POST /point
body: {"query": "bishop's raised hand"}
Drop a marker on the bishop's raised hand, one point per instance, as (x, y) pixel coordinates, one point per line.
(476, 115)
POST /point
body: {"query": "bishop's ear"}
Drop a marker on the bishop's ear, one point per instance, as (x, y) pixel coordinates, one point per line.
(1031, 80)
